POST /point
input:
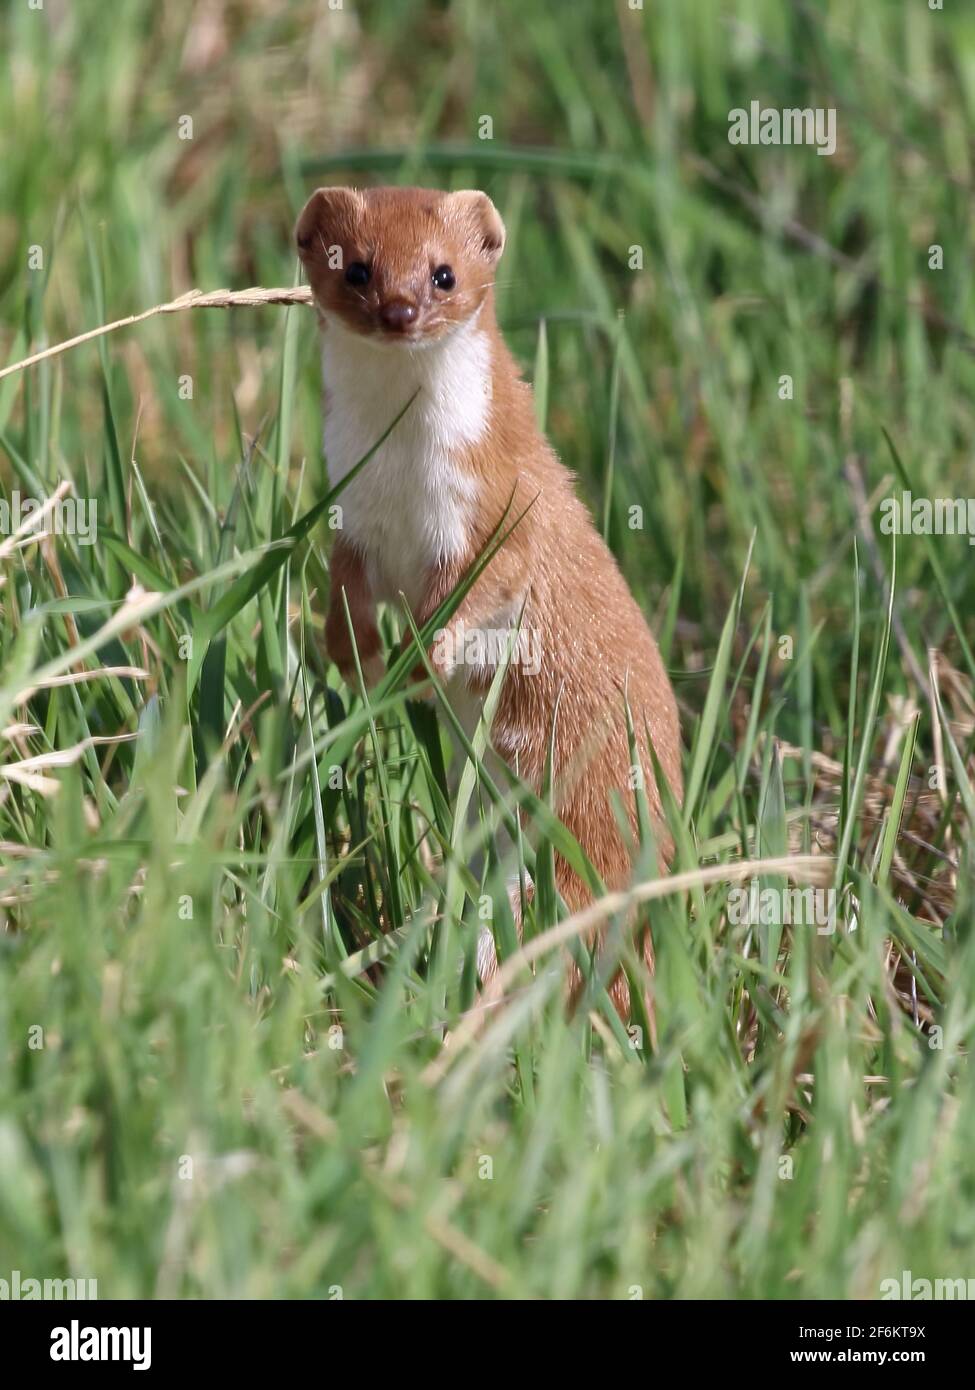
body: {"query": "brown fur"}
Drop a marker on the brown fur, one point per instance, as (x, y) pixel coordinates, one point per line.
(594, 639)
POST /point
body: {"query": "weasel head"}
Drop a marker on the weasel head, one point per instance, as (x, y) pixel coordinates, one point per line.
(401, 266)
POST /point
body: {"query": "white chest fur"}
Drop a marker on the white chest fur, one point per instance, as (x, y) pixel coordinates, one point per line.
(411, 505)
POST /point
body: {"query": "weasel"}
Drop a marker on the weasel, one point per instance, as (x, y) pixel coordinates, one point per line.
(403, 282)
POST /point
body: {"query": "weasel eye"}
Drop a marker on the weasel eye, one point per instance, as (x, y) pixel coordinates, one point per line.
(443, 278)
(358, 273)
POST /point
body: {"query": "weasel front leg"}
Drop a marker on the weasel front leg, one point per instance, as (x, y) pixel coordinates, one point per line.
(348, 574)
(488, 608)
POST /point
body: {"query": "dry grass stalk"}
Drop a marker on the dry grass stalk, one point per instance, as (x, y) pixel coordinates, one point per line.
(193, 299)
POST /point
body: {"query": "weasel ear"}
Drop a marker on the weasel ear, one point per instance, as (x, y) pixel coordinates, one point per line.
(483, 218)
(327, 219)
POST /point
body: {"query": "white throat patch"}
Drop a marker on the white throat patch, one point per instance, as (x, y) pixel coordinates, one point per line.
(410, 507)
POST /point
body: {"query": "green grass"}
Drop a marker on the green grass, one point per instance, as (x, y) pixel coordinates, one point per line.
(232, 1097)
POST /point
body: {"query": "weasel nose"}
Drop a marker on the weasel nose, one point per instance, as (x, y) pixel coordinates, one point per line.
(398, 314)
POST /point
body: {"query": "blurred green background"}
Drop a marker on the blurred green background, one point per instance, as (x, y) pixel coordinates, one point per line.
(658, 284)
(609, 131)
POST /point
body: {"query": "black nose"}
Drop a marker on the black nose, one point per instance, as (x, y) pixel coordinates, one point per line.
(398, 314)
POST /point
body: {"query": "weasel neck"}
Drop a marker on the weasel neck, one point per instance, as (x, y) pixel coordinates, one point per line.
(412, 508)
(445, 386)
